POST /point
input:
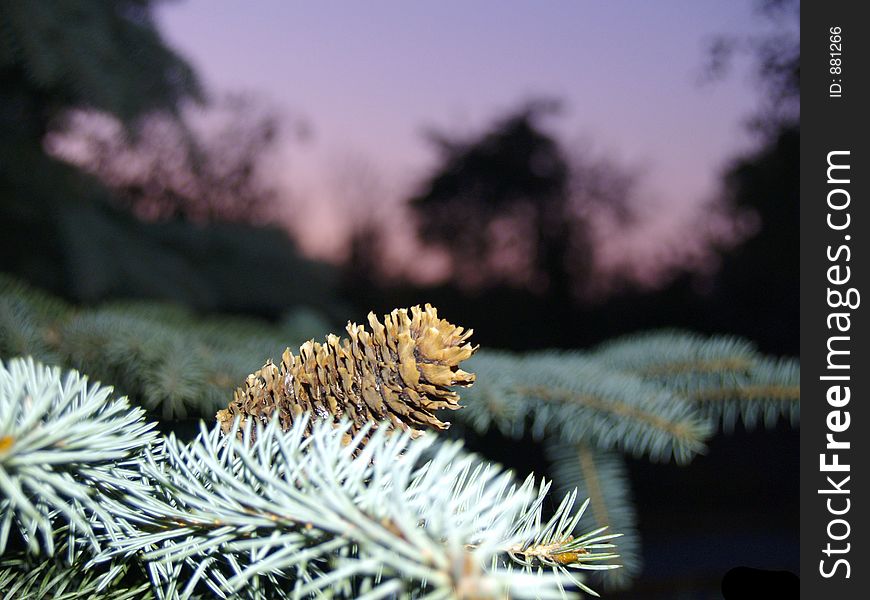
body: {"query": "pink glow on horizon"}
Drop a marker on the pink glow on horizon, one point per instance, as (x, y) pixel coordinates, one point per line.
(368, 78)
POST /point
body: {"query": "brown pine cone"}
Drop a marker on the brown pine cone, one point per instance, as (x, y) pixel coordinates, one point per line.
(400, 372)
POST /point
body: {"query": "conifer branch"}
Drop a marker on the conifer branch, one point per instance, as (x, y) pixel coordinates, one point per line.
(62, 443)
(161, 356)
(727, 378)
(24, 577)
(232, 509)
(573, 399)
(656, 394)
(176, 365)
(671, 352)
(269, 514)
(603, 478)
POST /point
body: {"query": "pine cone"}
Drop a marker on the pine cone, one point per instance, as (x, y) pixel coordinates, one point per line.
(399, 373)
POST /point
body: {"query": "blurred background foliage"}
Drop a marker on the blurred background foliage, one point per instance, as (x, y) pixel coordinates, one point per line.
(113, 192)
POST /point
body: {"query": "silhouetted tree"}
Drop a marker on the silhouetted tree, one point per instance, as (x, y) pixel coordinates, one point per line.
(175, 168)
(776, 59)
(758, 287)
(502, 197)
(515, 207)
(55, 58)
(60, 227)
(92, 54)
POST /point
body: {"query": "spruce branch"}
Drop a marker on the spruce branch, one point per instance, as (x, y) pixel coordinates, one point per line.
(655, 395)
(153, 361)
(572, 398)
(176, 364)
(770, 390)
(163, 357)
(725, 377)
(45, 308)
(671, 352)
(63, 442)
(23, 330)
(24, 577)
(268, 514)
(603, 478)
(312, 510)
(400, 372)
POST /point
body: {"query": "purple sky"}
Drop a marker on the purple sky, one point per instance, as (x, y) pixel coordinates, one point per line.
(369, 77)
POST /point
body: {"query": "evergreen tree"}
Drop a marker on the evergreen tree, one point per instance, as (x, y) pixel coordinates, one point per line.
(297, 491)
(57, 58)
(511, 183)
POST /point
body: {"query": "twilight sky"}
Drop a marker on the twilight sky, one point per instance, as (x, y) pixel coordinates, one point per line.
(369, 77)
